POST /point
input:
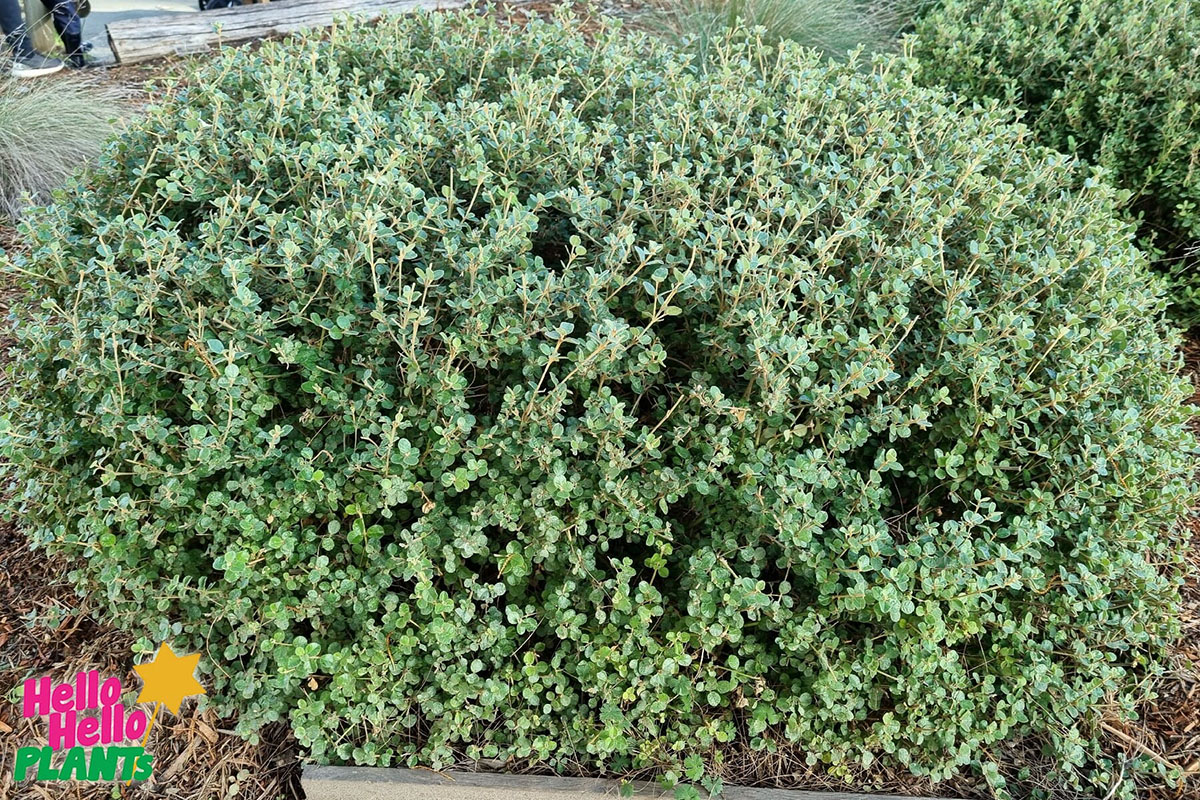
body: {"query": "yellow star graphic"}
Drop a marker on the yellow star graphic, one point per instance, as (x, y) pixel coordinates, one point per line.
(168, 678)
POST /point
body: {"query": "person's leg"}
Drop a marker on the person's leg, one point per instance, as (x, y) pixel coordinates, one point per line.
(69, 27)
(26, 62)
(12, 22)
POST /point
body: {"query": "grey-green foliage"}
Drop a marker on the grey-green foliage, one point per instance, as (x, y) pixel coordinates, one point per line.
(460, 388)
(833, 27)
(1114, 81)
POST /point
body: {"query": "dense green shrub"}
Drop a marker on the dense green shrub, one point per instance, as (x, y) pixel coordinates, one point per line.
(466, 389)
(1114, 81)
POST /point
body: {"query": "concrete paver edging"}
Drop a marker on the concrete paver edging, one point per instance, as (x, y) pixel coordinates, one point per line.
(372, 783)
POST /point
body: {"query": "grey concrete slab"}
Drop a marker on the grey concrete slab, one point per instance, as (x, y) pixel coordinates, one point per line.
(370, 783)
(106, 11)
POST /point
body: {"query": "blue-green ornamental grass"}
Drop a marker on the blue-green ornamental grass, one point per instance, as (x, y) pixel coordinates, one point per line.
(470, 391)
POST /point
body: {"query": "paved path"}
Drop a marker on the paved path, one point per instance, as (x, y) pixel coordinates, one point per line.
(373, 783)
(106, 11)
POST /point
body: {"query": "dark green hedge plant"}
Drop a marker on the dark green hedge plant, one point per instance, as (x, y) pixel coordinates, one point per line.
(465, 390)
(1114, 81)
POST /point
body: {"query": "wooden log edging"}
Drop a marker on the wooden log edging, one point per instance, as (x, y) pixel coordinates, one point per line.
(159, 36)
(374, 783)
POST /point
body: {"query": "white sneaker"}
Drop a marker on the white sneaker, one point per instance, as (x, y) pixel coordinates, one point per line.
(34, 65)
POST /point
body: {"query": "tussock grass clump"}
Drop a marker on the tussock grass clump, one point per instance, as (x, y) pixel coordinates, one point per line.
(833, 27)
(49, 130)
(520, 394)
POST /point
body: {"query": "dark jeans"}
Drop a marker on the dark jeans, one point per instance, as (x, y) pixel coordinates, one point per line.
(12, 22)
(67, 23)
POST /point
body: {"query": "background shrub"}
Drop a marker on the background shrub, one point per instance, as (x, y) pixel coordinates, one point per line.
(1114, 81)
(507, 393)
(48, 131)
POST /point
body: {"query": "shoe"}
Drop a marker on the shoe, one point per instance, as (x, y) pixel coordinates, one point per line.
(34, 65)
(79, 60)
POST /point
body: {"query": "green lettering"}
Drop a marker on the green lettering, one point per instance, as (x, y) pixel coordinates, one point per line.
(104, 764)
(45, 771)
(74, 766)
(129, 754)
(26, 758)
(145, 763)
